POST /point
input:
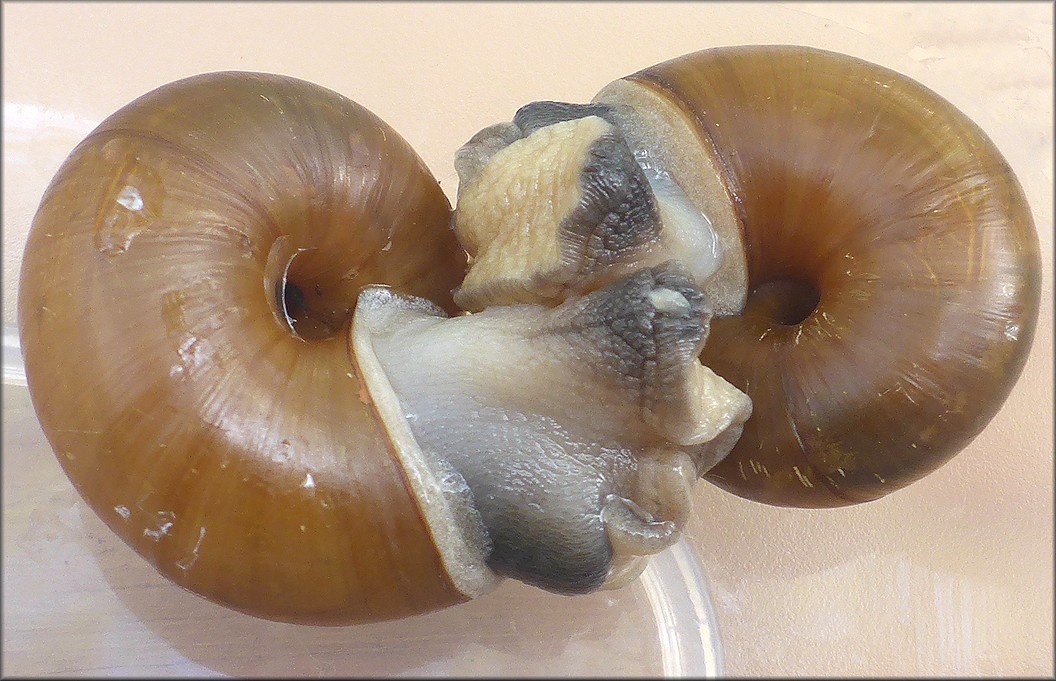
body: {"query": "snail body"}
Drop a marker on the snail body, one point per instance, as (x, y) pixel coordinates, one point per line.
(223, 379)
(269, 399)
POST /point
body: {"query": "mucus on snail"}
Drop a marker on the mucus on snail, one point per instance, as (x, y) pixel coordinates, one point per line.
(249, 358)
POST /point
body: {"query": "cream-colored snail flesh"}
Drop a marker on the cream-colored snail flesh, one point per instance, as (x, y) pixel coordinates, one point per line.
(261, 356)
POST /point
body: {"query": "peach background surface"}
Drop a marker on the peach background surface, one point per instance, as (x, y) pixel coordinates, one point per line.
(953, 575)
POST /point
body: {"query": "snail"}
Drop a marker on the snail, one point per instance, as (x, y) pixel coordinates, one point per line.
(879, 282)
(272, 359)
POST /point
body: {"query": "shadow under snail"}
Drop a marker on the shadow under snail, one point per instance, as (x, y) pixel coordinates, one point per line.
(261, 354)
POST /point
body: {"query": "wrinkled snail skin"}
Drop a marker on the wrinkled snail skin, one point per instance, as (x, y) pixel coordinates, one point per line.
(572, 427)
(245, 463)
(872, 196)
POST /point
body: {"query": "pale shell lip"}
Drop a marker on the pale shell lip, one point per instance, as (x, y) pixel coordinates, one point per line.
(661, 127)
(445, 512)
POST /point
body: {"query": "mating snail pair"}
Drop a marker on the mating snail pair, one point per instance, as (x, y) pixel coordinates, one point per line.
(803, 277)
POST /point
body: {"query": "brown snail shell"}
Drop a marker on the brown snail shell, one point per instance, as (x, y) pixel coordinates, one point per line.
(893, 271)
(238, 458)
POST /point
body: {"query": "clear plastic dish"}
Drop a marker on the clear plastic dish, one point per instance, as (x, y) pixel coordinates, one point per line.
(78, 601)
